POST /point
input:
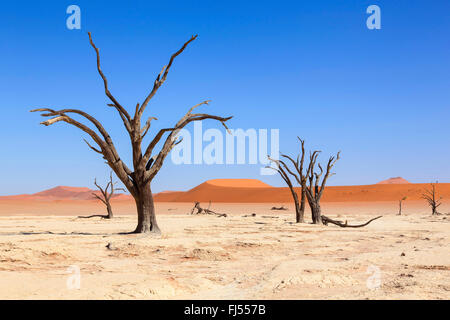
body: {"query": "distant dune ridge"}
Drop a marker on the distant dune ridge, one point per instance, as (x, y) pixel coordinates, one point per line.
(252, 191)
(238, 183)
(255, 191)
(60, 193)
(396, 180)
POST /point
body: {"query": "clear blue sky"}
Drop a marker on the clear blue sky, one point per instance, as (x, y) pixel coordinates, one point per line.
(309, 68)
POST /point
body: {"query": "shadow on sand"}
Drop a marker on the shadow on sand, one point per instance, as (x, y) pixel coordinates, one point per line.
(26, 233)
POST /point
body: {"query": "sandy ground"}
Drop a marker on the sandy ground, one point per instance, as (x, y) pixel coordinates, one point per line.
(206, 257)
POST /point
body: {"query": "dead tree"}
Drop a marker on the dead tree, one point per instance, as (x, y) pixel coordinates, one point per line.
(300, 177)
(400, 205)
(431, 197)
(146, 162)
(105, 195)
(314, 192)
(283, 170)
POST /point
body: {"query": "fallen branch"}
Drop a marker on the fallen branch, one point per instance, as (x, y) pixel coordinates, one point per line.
(249, 215)
(201, 210)
(326, 220)
(278, 208)
(94, 215)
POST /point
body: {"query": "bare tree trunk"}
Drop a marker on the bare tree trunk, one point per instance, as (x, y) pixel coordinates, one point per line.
(109, 210)
(400, 207)
(146, 211)
(301, 214)
(297, 206)
(316, 213)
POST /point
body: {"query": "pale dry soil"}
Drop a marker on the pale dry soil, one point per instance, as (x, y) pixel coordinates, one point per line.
(206, 257)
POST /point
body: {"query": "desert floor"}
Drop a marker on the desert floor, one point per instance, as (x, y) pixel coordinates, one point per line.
(207, 257)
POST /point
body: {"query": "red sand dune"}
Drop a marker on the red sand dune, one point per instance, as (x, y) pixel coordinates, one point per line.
(60, 193)
(235, 192)
(237, 183)
(396, 180)
(244, 190)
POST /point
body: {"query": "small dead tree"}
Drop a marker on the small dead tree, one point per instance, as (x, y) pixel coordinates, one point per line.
(283, 169)
(146, 162)
(431, 197)
(105, 195)
(400, 205)
(314, 192)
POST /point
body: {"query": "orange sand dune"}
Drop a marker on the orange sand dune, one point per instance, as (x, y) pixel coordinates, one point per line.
(235, 191)
(229, 185)
(396, 180)
(237, 183)
(61, 193)
(222, 193)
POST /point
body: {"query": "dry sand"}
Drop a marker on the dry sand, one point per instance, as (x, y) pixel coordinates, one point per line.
(206, 257)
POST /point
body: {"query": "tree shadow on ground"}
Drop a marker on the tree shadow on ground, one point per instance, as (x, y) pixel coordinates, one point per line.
(29, 233)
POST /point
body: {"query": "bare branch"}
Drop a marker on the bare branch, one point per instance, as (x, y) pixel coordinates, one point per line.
(107, 147)
(145, 128)
(99, 198)
(100, 188)
(281, 171)
(162, 76)
(331, 163)
(185, 120)
(124, 119)
(341, 224)
(170, 142)
(96, 150)
(117, 105)
(87, 116)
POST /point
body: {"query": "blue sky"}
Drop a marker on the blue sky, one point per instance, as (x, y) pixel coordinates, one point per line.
(309, 68)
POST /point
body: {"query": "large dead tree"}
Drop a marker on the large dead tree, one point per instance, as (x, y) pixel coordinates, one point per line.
(433, 201)
(314, 192)
(283, 171)
(146, 162)
(300, 177)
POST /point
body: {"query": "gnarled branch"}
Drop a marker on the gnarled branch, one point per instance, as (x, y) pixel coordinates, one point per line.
(123, 113)
(162, 76)
(170, 141)
(106, 147)
(326, 221)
